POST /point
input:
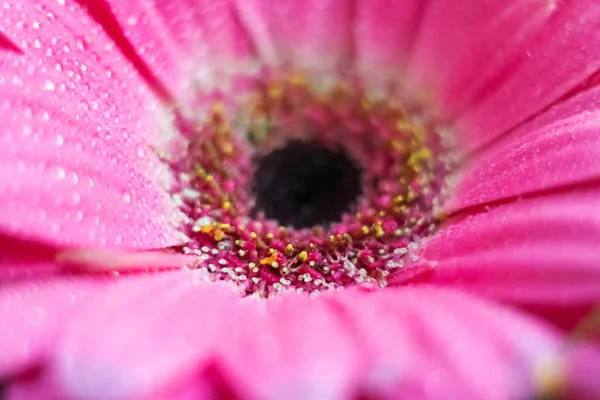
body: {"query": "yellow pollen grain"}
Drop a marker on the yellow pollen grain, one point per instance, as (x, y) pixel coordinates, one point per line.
(270, 236)
(303, 256)
(366, 104)
(226, 148)
(399, 145)
(331, 238)
(421, 154)
(207, 228)
(218, 234)
(275, 91)
(289, 247)
(378, 230)
(347, 238)
(218, 108)
(297, 79)
(253, 235)
(226, 205)
(365, 230)
(403, 125)
(271, 258)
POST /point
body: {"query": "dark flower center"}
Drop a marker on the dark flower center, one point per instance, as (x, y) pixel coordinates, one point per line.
(305, 184)
(295, 186)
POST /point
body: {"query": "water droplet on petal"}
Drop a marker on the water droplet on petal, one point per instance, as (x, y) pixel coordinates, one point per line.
(49, 86)
(132, 20)
(59, 173)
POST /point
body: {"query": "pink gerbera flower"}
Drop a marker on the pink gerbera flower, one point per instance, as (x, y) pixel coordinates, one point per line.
(317, 199)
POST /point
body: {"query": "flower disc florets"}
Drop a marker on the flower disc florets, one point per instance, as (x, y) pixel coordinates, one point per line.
(401, 176)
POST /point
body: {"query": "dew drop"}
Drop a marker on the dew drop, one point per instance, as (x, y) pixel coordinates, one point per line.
(132, 20)
(59, 173)
(49, 86)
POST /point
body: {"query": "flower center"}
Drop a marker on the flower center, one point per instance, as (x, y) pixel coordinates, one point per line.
(305, 184)
(297, 186)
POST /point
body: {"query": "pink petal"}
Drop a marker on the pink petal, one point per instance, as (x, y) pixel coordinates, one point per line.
(75, 166)
(559, 148)
(161, 334)
(182, 42)
(384, 32)
(428, 343)
(463, 45)
(149, 335)
(584, 369)
(304, 348)
(556, 60)
(314, 34)
(541, 252)
(32, 314)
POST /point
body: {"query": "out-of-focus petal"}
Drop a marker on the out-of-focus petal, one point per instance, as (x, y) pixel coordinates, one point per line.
(540, 252)
(301, 343)
(75, 166)
(462, 46)
(561, 54)
(583, 367)
(32, 314)
(427, 342)
(559, 148)
(182, 42)
(316, 34)
(158, 331)
(384, 31)
(171, 331)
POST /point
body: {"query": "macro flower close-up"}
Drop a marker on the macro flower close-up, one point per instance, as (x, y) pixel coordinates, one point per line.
(299, 199)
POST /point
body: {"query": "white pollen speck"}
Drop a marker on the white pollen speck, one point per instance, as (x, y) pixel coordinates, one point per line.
(191, 194)
(204, 221)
